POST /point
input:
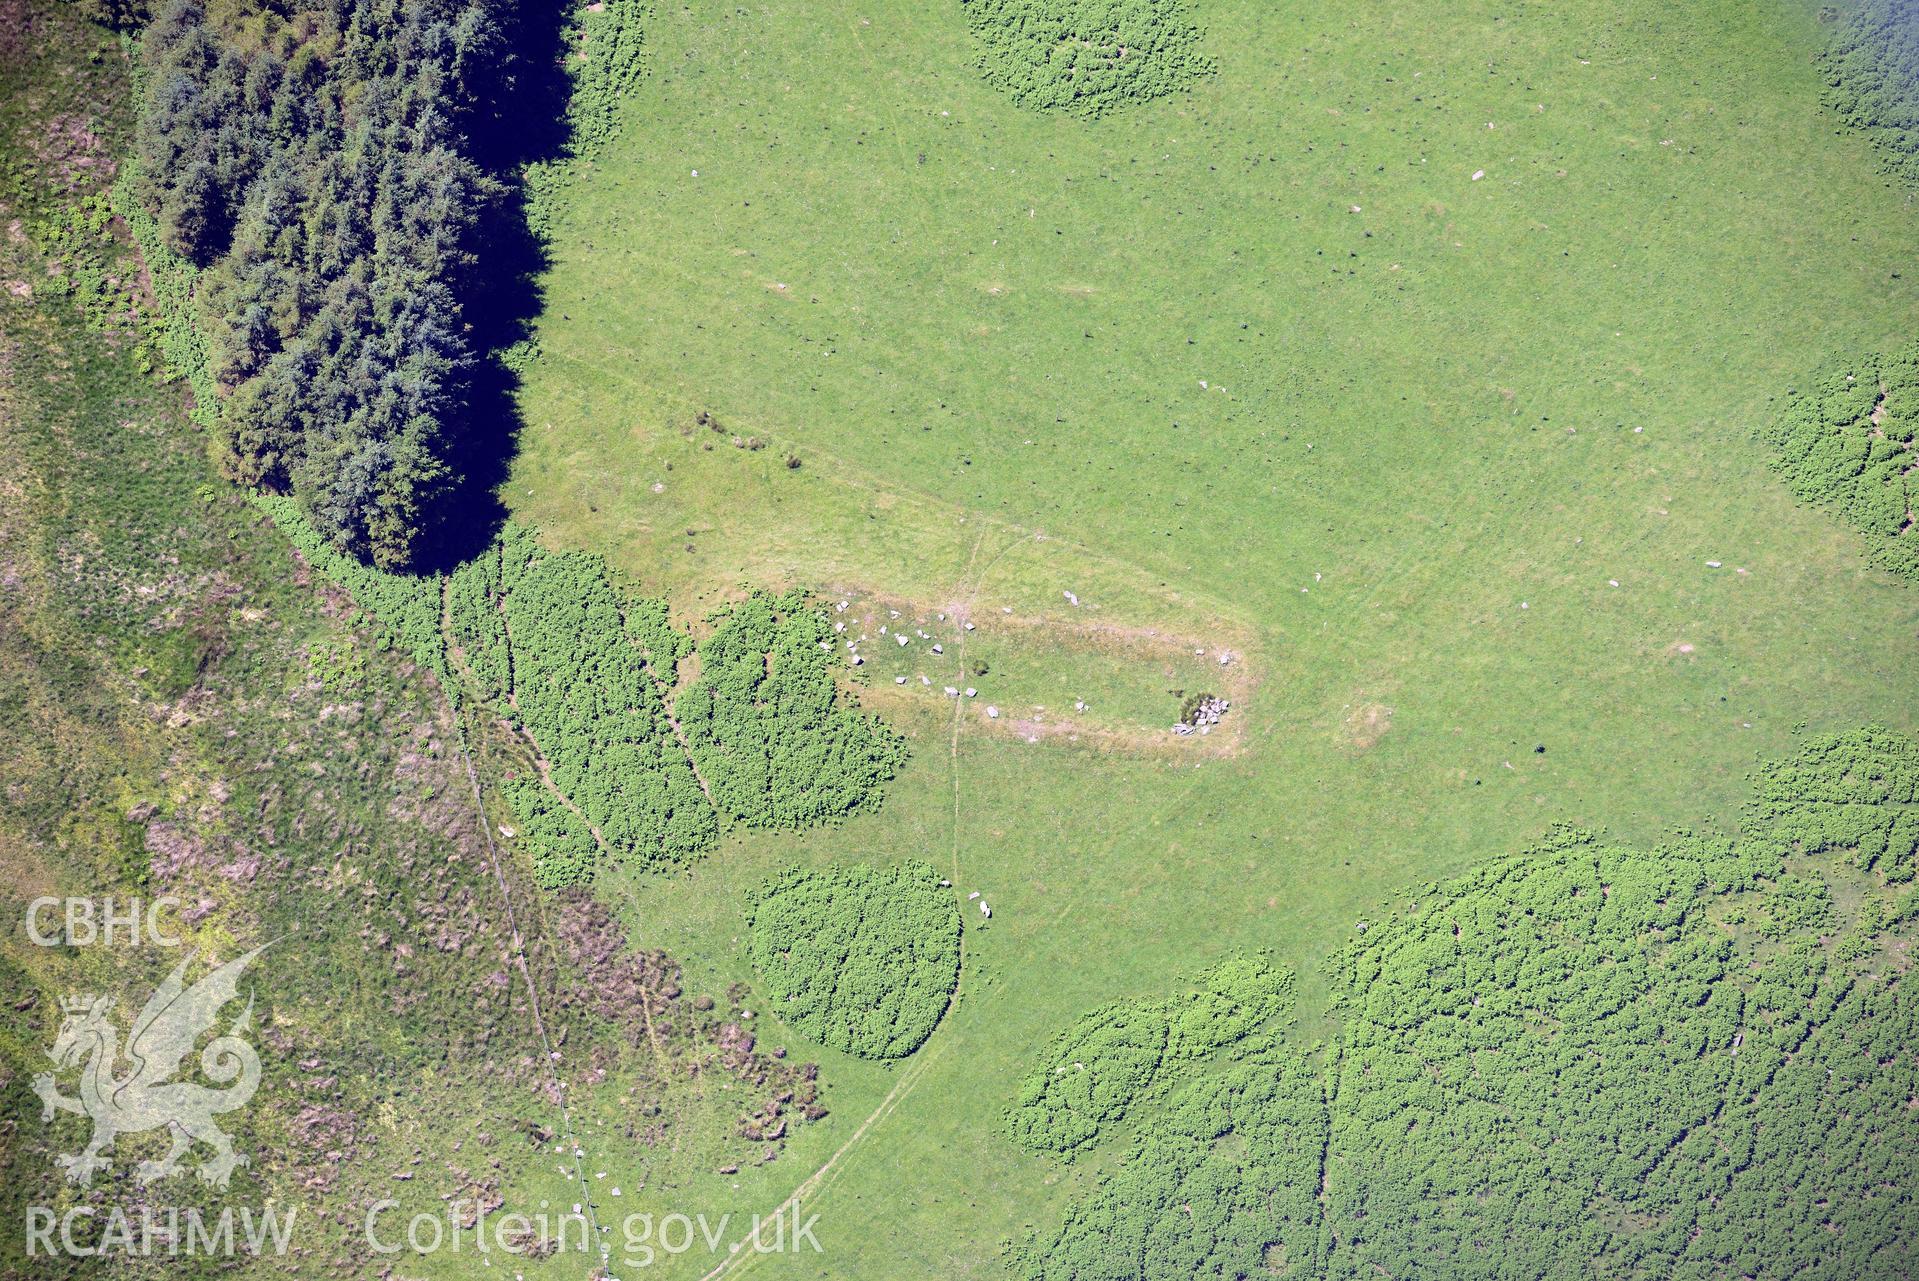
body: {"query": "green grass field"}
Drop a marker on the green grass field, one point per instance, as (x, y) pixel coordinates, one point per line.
(1260, 364)
(1412, 362)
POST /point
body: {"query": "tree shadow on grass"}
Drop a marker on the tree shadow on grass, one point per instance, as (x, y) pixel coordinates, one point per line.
(520, 121)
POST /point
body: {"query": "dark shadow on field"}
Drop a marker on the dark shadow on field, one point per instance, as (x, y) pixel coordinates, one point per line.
(520, 121)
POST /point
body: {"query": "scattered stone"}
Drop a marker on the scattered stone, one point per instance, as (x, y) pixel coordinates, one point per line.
(1201, 712)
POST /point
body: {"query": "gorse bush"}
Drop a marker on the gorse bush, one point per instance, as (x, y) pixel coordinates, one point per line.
(1524, 1055)
(1091, 1074)
(170, 277)
(404, 608)
(1225, 1183)
(476, 624)
(1086, 56)
(586, 670)
(597, 714)
(1235, 997)
(863, 959)
(565, 852)
(1871, 67)
(608, 54)
(764, 725)
(1846, 441)
(1856, 792)
(1095, 1072)
(1571, 1062)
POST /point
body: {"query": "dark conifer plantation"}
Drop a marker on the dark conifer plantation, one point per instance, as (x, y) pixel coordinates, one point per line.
(360, 248)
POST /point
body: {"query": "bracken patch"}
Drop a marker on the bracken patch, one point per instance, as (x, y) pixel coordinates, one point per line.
(863, 959)
(1086, 56)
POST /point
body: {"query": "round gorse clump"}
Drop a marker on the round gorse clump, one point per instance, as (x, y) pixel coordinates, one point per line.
(1086, 56)
(862, 959)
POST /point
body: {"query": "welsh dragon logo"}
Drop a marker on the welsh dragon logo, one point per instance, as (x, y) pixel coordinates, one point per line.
(143, 1095)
